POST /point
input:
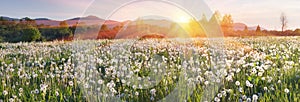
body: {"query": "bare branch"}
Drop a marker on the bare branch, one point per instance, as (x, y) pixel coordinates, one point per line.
(283, 21)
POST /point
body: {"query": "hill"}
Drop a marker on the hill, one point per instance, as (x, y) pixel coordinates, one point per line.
(89, 20)
(241, 27)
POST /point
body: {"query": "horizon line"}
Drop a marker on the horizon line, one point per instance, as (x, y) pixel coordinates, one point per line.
(53, 19)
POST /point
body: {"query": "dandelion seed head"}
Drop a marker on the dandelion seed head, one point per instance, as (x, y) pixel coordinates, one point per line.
(286, 90)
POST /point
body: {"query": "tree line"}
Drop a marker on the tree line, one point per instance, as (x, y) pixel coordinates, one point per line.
(27, 30)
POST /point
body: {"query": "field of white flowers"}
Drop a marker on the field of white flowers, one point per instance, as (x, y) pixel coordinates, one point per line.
(234, 70)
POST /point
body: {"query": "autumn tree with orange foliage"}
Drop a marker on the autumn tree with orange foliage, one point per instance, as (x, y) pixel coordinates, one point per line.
(227, 24)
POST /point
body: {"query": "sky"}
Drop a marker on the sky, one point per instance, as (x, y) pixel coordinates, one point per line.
(260, 12)
(265, 13)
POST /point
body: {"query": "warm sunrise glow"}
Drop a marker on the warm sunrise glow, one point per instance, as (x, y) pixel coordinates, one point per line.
(183, 19)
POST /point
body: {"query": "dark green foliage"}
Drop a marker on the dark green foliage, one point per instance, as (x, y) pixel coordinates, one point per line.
(11, 31)
(30, 34)
(1, 18)
(27, 30)
(55, 33)
(1, 39)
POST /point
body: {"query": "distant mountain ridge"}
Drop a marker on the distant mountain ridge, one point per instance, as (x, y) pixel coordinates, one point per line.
(41, 19)
(241, 27)
(9, 18)
(89, 20)
(93, 20)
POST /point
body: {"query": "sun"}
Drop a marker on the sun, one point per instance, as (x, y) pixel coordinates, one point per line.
(183, 19)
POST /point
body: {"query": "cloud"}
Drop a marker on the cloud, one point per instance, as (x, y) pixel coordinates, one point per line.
(72, 3)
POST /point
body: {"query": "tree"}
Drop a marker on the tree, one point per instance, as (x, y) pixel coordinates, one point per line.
(203, 20)
(63, 30)
(194, 28)
(30, 34)
(79, 28)
(104, 27)
(297, 32)
(28, 21)
(258, 29)
(283, 21)
(246, 29)
(217, 16)
(1, 18)
(12, 31)
(63, 24)
(227, 23)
